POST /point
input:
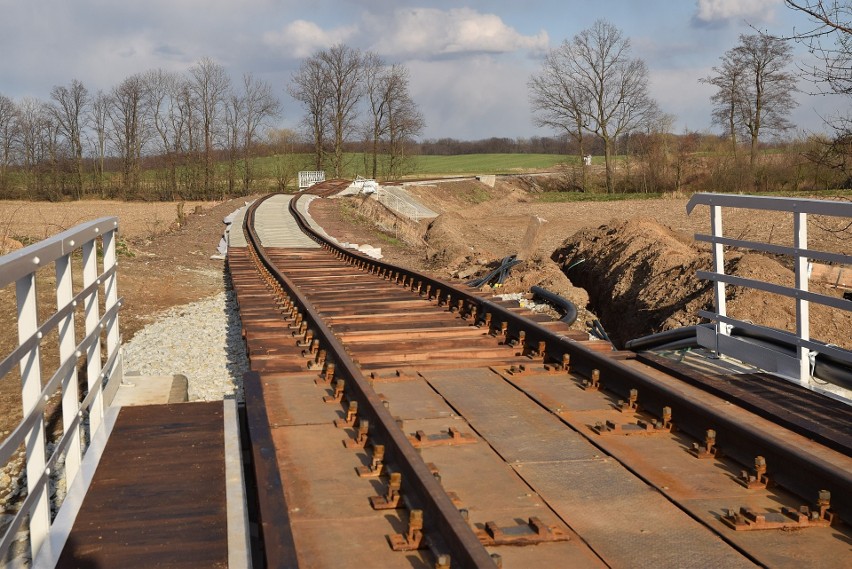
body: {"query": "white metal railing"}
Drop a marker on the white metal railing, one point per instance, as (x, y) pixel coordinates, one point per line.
(799, 368)
(81, 245)
(308, 179)
(397, 204)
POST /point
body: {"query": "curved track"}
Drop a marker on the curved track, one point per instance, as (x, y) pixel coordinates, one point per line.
(492, 437)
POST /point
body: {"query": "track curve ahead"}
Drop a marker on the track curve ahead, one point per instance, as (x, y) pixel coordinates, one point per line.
(397, 420)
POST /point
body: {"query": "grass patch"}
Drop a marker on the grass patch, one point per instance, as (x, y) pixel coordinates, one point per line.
(472, 164)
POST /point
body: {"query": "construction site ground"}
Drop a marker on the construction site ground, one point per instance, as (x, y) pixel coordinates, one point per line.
(638, 256)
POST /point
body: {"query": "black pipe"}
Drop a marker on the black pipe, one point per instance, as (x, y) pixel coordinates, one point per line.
(502, 270)
(568, 307)
(826, 367)
(656, 340)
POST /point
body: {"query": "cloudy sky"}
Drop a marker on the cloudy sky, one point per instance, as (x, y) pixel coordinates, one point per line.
(469, 61)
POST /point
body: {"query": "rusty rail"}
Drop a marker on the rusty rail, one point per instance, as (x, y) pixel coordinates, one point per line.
(423, 492)
(798, 470)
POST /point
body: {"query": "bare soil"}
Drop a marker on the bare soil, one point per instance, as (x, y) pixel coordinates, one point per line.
(637, 276)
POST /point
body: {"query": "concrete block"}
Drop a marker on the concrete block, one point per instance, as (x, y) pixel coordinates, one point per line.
(151, 390)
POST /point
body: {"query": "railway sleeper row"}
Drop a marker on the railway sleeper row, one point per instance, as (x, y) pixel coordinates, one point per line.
(389, 404)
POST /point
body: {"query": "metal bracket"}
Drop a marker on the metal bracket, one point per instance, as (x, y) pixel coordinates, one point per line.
(709, 449)
(531, 533)
(758, 480)
(397, 376)
(376, 464)
(520, 369)
(360, 440)
(640, 427)
(451, 438)
(593, 384)
(629, 406)
(337, 394)
(413, 538)
(747, 519)
(351, 414)
(390, 501)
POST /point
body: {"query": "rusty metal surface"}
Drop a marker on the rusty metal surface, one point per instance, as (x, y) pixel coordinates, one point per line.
(158, 496)
(705, 489)
(489, 490)
(627, 522)
(416, 364)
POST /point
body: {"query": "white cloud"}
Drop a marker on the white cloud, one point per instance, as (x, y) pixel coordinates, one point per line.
(301, 38)
(714, 11)
(476, 97)
(426, 33)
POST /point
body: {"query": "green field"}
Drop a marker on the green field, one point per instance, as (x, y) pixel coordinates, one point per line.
(472, 164)
(426, 166)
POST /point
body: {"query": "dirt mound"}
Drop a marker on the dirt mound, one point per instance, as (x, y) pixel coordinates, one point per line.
(637, 268)
(445, 243)
(641, 279)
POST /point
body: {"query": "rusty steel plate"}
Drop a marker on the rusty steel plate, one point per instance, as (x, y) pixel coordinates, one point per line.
(412, 399)
(491, 491)
(624, 520)
(294, 399)
(351, 544)
(559, 392)
(516, 427)
(705, 488)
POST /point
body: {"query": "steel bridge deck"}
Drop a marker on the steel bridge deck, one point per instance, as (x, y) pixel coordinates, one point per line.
(531, 447)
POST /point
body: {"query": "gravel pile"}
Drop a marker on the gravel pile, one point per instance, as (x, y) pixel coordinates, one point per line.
(201, 340)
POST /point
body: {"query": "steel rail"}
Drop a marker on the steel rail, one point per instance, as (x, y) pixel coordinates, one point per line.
(420, 488)
(794, 468)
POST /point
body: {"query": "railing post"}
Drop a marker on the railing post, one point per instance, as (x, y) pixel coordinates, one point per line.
(25, 293)
(803, 325)
(718, 268)
(111, 294)
(67, 344)
(93, 354)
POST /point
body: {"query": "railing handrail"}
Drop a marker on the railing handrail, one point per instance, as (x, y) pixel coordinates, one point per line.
(21, 267)
(806, 350)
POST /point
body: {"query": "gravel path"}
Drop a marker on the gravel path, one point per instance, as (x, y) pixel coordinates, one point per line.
(201, 340)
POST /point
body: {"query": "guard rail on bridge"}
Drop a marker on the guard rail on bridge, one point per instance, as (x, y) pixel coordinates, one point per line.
(85, 253)
(800, 366)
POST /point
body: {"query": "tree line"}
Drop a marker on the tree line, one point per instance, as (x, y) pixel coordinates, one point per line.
(592, 87)
(192, 122)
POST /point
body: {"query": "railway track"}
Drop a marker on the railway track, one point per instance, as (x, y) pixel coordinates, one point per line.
(397, 420)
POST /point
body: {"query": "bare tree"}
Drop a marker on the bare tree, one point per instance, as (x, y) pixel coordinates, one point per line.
(601, 73)
(308, 87)
(128, 129)
(830, 40)
(98, 115)
(210, 86)
(375, 88)
(161, 93)
(394, 117)
(7, 139)
(754, 85)
(259, 106)
(558, 101)
(729, 79)
(404, 122)
(69, 112)
(342, 75)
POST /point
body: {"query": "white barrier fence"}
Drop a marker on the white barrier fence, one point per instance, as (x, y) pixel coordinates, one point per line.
(399, 205)
(308, 179)
(719, 339)
(85, 253)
